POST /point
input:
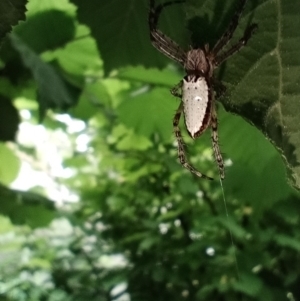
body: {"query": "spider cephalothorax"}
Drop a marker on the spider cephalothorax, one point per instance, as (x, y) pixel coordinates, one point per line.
(195, 89)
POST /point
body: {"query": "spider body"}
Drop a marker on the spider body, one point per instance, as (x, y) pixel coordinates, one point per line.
(196, 88)
(197, 104)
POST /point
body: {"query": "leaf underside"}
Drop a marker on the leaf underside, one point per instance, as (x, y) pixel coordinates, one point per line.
(268, 91)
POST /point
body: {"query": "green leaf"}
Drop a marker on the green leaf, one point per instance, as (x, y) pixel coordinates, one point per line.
(95, 95)
(233, 227)
(9, 165)
(26, 207)
(169, 216)
(148, 242)
(12, 11)
(53, 91)
(149, 113)
(287, 241)
(37, 6)
(268, 93)
(166, 77)
(133, 141)
(79, 58)
(249, 284)
(55, 29)
(256, 166)
(122, 33)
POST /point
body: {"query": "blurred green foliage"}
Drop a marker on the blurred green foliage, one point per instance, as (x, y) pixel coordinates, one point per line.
(145, 228)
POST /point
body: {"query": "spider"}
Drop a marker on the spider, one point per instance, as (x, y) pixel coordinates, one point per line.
(196, 88)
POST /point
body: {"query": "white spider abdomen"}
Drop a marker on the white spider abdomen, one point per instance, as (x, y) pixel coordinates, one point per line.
(196, 105)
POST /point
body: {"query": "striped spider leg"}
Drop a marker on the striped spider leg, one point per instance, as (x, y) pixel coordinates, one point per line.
(196, 88)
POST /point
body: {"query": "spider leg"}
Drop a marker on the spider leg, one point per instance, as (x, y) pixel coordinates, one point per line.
(227, 35)
(159, 40)
(175, 90)
(181, 151)
(215, 144)
(235, 48)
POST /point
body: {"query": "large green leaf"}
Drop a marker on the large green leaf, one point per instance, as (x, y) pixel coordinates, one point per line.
(121, 30)
(267, 91)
